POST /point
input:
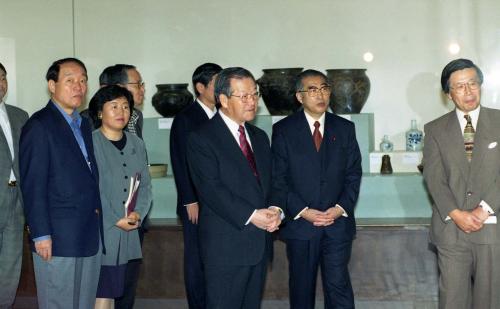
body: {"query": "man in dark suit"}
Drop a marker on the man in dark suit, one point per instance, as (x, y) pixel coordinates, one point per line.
(127, 76)
(230, 165)
(316, 179)
(189, 119)
(59, 182)
(462, 172)
(12, 219)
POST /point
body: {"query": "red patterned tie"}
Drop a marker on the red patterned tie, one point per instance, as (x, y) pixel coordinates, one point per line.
(317, 135)
(247, 151)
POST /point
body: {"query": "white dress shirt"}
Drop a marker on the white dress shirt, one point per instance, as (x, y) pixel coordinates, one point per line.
(210, 112)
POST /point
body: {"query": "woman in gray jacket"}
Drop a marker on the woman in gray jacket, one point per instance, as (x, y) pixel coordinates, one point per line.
(123, 173)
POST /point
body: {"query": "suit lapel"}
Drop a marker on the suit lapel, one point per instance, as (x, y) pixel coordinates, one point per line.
(329, 142)
(481, 140)
(3, 141)
(67, 134)
(15, 127)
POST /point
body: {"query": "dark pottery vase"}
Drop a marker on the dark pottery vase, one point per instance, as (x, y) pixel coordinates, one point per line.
(350, 89)
(386, 167)
(278, 90)
(171, 98)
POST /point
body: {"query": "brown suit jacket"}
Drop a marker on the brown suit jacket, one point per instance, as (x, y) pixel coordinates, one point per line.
(454, 183)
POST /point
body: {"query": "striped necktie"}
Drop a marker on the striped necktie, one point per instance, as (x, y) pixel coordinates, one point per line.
(469, 137)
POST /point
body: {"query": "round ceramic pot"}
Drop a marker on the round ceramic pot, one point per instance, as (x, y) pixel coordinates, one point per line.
(278, 90)
(171, 98)
(350, 89)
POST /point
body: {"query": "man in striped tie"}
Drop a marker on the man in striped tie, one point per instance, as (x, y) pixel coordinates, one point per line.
(462, 172)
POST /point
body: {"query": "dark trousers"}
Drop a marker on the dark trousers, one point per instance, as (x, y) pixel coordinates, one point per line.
(304, 257)
(194, 280)
(235, 286)
(131, 277)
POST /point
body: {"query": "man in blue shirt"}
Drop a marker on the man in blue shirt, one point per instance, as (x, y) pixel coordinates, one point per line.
(59, 181)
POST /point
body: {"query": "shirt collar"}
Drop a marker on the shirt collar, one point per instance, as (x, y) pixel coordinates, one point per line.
(474, 115)
(69, 118)
(231, 124)
(311, 121)
(210, 113)
(3, 108)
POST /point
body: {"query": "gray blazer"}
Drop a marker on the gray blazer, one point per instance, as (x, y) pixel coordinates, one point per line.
(116, 167)
(454, 183)
(17, 118)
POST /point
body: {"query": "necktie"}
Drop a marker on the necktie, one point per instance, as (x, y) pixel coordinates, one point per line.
(317, 138)
(469, 137)
(247, 151)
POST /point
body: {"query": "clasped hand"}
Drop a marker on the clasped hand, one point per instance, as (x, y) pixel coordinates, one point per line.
(129, 223)
(322, 218)
(469, 220)
(267, 219)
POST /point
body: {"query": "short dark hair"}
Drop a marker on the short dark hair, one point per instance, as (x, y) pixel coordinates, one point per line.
(305, 74)
(53, 71)
(223, 80)
(204, 74)
(457, 65)
(106, 94)
(115, 74)
(3, 68)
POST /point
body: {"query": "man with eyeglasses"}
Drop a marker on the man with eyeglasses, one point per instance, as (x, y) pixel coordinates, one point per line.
(127, 76)
(230, 165)
(186, 121)
(462, 172)
(316, 179)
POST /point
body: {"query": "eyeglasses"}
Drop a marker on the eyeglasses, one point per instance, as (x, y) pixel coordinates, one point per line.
(460, 88)
(139, 84)
(246, 97)
(314, 91)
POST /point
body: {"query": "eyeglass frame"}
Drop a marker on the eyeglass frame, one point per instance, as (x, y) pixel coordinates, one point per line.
(140, 84)
(244, 98)
(314, 91)
(473, 84)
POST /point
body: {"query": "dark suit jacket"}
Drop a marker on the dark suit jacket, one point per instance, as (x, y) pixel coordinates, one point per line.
(454, 183)
(185, 122)
(61, 194)
(304, 177)
(229, 193)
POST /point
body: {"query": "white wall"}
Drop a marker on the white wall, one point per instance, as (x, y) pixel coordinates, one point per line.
(168, 39)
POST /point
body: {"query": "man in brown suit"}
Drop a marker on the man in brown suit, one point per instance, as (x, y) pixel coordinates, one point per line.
(462, 172)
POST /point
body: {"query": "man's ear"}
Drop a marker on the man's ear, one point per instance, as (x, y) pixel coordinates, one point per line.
(200, 87)
(298, 95)
(52, 86)
(449, 96)
(224, 100)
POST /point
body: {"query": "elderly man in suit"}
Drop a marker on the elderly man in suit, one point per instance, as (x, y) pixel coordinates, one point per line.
(462, 172)
(190, 118)
(12, 220)
(316, 179)
(59, 182)
(230, 165)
